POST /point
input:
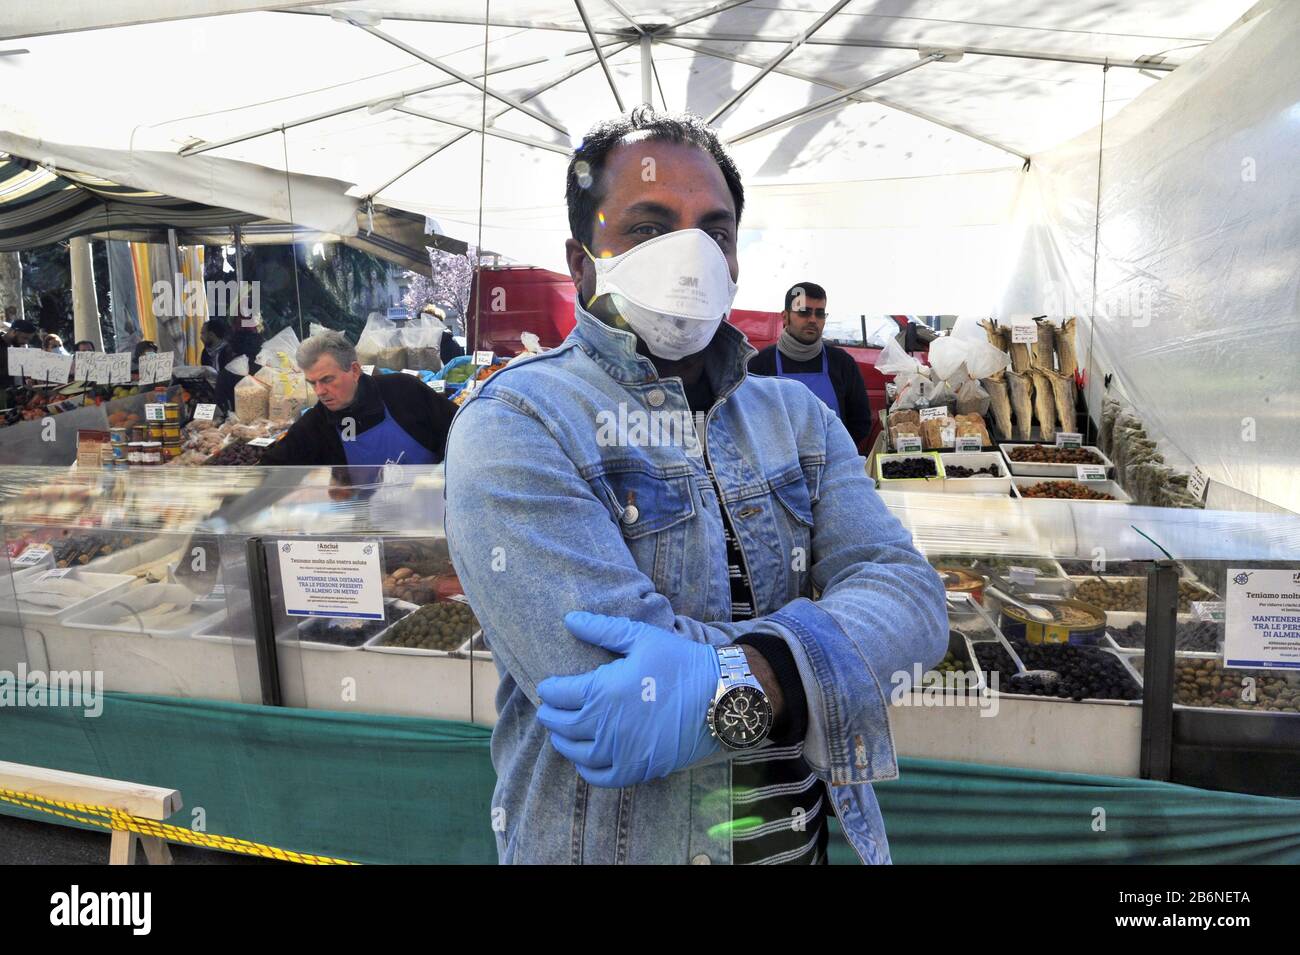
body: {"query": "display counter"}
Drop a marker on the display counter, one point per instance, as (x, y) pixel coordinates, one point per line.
(332, 589)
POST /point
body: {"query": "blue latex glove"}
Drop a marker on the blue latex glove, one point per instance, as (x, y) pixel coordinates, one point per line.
(638, 718)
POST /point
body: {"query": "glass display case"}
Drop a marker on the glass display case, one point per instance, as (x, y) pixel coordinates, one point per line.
(332, 589)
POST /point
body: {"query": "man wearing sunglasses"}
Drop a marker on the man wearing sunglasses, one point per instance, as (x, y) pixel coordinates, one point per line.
(801, 354)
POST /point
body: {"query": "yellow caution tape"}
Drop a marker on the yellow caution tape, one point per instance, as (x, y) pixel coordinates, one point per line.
(125, 822)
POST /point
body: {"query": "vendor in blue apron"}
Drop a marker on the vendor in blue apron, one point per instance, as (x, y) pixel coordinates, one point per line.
(801, 354)
(361, 420)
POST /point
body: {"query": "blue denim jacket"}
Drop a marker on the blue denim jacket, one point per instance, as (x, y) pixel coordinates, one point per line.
(575, 481)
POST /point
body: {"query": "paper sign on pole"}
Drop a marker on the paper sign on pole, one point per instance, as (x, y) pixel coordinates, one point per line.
(1262, 619)
(119, 368)
(332, 578)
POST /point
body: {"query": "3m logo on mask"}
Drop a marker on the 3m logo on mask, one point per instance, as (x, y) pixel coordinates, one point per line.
(688, 281)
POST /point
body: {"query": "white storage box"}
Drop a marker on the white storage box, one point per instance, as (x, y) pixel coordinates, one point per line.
(1105, 487)
(1038, 469)
(975, 460)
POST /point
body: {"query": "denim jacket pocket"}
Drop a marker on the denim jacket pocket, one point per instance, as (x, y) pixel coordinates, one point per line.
(791, 489)
(643, 503)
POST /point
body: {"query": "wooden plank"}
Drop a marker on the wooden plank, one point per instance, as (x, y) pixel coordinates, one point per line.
(147, 802)
(155, 850)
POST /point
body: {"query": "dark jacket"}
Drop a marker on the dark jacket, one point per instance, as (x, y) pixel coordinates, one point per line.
(855, 409)
(421, 412)
(449, 348)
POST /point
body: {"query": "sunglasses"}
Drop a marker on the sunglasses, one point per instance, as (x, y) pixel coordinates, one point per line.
(809, 312)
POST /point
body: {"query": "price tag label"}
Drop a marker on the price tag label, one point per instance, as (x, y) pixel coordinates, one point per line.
(57, 369)
(58, 574)
(438, 385)
(1211, 610)
(969, 442)
(20, 360)
(1090, 472)
(261, 442)
(1024, 331)
(909, 442)
(156, 367)
(1197, 482)
(930, 414)
(410, 371)
(154, 412)
(483, 358)
(205, 412)
(33, 555)
(1069, 439)
(96, 367)
(82, 364)
(119, 368)
(368, 369)
(397, 314)
(1022, 576)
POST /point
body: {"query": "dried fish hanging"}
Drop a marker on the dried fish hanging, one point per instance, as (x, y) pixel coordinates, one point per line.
(1021, 388)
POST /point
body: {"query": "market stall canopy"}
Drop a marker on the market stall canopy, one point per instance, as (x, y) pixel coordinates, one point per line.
(834, 102)
(38, 206)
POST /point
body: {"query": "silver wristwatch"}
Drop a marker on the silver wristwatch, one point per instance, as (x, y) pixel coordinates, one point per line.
(740, 716)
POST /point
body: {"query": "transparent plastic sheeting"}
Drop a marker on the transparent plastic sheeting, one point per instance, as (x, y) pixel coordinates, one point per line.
(1198, 266)
(393, 501)
(408, 502)
(1078, 529)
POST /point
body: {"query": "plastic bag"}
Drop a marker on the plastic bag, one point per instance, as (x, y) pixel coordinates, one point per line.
(981, 359)
(380, 344)
(422, 337)
(972, 398)
(252, 399)
(280, 349)
(893, 360)
(238, 366)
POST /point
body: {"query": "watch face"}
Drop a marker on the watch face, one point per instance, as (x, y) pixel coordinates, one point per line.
(742, 718)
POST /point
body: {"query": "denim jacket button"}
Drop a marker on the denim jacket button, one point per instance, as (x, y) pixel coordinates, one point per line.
(656, 398)
(701, 859)
(631, 515)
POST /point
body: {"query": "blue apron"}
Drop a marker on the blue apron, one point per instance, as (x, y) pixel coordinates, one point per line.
(386, 443)
(818, 383)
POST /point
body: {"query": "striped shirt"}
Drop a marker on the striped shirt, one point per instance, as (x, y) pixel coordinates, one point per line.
(778, 806)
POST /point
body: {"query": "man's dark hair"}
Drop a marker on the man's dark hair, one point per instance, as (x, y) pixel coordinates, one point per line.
(142, 346)
(810, 290)
(23, 326)
(218, 327)
(584, 186)
(84, 341)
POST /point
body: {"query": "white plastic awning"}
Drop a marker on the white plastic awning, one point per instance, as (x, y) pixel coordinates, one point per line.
(834, 110)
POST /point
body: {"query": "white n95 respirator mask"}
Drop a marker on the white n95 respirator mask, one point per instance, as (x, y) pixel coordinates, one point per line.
(673, 290)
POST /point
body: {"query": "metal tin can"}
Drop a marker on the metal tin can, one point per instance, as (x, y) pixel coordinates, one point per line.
(1077, 622)
(118, 435)
(959, 580)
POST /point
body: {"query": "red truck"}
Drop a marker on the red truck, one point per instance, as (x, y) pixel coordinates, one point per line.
(517, 300)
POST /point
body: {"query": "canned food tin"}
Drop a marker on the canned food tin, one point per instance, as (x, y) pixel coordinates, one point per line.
(1076, 622)
(118, 435)
(958, 580)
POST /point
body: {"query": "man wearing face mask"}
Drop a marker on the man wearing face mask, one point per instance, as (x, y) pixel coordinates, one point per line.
(643, 543)
(802, 354)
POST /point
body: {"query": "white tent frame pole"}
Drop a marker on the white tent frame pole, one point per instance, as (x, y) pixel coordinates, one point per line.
(711, 11)
(626, 16)
(776, 61)
(609, 77)
(822, 104)
(857, 97)
(475, 128)
(1138, 64)
(619, 34)
(549, 84)
(479, 85)
(647, 66)
(197, 148)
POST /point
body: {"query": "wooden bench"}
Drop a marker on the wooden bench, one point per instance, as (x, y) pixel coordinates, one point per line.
(147, 802)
